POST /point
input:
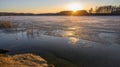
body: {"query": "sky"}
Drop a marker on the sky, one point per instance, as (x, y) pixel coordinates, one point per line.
(49, 6)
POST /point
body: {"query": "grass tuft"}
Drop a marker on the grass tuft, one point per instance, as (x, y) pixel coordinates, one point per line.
(6, 24)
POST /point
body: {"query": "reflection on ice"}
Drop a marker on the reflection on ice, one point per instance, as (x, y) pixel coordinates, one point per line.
(73, 28)
(73, 40)
(68, 34)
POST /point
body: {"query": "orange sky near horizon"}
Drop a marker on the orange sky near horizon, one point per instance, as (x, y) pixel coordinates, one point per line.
(48, 6)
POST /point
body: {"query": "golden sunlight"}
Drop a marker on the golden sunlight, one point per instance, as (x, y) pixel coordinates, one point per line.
(74, 7)
(73, 40)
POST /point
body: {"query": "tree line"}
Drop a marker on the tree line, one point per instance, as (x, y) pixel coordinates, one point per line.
(106, 9)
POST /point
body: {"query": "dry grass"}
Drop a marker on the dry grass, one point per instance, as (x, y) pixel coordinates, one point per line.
(6, 24)
(22, 60)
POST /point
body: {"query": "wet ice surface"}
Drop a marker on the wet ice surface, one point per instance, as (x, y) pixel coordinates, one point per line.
(87, 41)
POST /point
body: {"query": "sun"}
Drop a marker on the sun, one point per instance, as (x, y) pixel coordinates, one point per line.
(74, 7)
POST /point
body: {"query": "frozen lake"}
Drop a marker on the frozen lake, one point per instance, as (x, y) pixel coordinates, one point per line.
(87, 41)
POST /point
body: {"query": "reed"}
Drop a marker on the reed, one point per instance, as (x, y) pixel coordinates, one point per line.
(6, 24)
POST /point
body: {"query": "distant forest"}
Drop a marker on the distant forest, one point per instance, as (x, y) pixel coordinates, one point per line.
(98, 11)
(106, 9)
